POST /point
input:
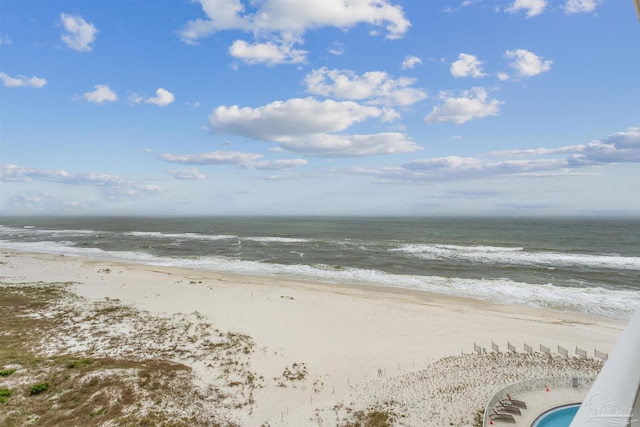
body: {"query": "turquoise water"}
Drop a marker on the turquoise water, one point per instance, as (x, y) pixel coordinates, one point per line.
(561, 417)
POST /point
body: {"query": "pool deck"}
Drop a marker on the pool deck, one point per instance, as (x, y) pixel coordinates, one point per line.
(541, 401)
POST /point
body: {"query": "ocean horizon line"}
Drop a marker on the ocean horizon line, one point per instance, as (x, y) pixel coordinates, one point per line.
(629, 216)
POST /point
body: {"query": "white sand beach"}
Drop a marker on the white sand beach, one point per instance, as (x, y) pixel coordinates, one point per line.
(355, 347)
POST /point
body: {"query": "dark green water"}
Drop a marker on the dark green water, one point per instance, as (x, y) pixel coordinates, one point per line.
(587, 265)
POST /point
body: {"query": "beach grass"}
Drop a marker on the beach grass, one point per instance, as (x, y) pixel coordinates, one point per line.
(43, 383)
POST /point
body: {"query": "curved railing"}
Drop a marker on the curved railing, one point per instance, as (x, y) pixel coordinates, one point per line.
(534, 385)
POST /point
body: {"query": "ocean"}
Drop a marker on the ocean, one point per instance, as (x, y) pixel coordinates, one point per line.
(573, 264)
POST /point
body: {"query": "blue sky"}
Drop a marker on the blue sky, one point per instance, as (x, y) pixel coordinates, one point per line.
(320, 107)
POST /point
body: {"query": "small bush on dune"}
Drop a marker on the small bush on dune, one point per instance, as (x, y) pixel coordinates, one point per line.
(371, 419)
(4, 394)
(79, 363)
(39, 388)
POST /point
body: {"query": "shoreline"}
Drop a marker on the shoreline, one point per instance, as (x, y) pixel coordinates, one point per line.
(352, 288)
(481, 260)
(352, 339)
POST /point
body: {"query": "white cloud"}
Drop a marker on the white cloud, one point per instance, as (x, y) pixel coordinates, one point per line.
(269, 53)
(162, 99)
(22, 81)
(377, 87)
(212, 158)
(187, 174)
(389, 115)
(14, 173)
(100, 95)
(278, 164)
(620, 147)
(580, 6)
(221, 15)
(283, 120)
(455, 168)
(44, 202)
(533, 7)
(410, 62)
(279, 25)
(113, 187)
(467, 66)
(537, 151)
(287, 177)
(30, 199)
(5, 40)
(129, 190)
(79, 34)
(306, 125)
(134, 98)
(444, 163)
(625, 139)
(298, 17)
(473, 104)
(337, 145)
(503, 76)
(469, 167)
(287, 17)
(527, 63)
(336, 48)
(252, 161)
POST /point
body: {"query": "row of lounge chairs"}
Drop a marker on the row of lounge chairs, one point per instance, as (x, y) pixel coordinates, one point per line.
(508, 408)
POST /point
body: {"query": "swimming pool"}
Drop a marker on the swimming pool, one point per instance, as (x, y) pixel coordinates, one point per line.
(558, 417)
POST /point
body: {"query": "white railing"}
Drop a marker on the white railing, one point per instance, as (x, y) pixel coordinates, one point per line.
(534, 385)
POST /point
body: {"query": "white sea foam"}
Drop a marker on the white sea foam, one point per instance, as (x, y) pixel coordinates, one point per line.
(597, 300)
(66, 232)
(9, 231)
(196, 236)
(31, 230)
(275, 239)
(53, 247)
(182, 236)
(517, 256)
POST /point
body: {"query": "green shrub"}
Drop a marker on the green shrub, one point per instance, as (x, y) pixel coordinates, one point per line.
(4, 393)
(371, 419)
(79, 363)
(478, 418)
(39, 388)
(102, 411)
(7, 372)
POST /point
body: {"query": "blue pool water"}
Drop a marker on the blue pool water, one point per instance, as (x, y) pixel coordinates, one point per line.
(559, 417)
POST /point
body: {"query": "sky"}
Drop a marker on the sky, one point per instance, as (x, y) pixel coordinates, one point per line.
(320, 107)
